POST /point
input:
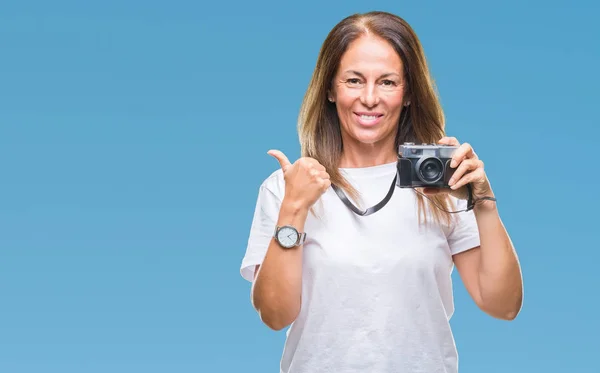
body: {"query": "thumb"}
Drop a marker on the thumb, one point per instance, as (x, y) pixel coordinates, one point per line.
(284, 162)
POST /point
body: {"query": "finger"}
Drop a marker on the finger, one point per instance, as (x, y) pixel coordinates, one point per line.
(313, 163)
(465, 151)
(471, 177)
(318, 175)
(449, 141)
(464, 167)
(319, 166)
(284, 162)
(325, 184)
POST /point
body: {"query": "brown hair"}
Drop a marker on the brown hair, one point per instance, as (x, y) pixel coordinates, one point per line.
(420, 122)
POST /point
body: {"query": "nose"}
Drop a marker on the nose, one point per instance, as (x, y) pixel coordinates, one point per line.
(369, 96)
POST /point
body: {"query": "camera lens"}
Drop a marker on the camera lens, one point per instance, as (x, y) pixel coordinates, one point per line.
(430, 170)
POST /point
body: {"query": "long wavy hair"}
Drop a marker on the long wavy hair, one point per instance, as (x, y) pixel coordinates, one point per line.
(421, 122)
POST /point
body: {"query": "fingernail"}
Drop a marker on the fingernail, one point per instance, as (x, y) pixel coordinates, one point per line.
(451, 181)
(453, 163)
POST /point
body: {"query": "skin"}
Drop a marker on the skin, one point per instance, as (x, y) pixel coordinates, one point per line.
(491, 272)
(369, 80)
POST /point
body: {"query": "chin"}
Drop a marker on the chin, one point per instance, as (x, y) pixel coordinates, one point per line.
(368, 137)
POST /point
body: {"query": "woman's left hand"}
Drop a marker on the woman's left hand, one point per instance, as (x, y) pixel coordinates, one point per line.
(469, 169)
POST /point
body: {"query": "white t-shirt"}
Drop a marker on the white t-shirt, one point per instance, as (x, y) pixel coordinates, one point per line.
(376, 290)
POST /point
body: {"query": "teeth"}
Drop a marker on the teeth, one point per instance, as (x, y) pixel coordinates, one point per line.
(368, 117)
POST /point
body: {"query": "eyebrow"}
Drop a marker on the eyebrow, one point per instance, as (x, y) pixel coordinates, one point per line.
(362, 76)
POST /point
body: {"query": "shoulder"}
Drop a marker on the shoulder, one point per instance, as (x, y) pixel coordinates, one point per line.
(274, 183)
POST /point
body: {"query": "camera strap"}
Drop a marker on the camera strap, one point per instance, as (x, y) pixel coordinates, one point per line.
(370, 210)
(386, 199)
(470, 202)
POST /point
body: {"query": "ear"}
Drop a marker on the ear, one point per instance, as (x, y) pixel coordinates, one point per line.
(330, 96)
(407, 97)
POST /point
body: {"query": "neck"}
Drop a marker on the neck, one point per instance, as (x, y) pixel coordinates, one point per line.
(367, 156)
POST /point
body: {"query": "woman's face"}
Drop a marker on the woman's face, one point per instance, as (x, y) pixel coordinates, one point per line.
(368, 91)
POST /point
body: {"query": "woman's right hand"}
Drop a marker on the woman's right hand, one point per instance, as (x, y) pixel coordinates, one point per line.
(305, 180)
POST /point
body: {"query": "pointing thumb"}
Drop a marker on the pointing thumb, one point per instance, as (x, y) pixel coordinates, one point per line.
(283, 160)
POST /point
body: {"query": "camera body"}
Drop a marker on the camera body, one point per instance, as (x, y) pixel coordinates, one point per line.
(424, 165)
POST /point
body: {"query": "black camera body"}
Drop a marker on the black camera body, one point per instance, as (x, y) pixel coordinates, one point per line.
(424, 165)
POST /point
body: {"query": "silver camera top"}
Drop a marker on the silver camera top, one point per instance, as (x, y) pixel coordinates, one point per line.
(412, 150)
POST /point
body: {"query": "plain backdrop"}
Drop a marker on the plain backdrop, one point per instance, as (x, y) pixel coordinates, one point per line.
(133, 139)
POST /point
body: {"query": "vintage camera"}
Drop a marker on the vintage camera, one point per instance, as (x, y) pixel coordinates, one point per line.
(424, 165)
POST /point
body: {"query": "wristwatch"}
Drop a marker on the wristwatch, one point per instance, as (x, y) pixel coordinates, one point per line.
(287, 236)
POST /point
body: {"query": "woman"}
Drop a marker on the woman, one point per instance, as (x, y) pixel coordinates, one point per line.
(373, 293)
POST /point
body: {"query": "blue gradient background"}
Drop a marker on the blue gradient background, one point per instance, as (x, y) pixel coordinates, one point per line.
(133, 139)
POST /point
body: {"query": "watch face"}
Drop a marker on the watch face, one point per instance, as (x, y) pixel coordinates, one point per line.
(287, 236)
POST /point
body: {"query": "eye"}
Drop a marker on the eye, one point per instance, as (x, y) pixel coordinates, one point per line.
(388, 83)
(353, 81)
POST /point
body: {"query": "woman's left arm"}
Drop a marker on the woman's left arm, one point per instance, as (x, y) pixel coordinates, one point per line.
(491, 272)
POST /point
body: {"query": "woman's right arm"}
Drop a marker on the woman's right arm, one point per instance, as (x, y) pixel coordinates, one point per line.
(277, 289)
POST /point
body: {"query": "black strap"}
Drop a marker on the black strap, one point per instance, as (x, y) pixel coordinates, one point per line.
(370, 210)
(470, 202)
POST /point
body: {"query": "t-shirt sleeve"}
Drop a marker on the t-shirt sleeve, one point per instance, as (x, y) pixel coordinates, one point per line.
(262, 229)
(464, 234)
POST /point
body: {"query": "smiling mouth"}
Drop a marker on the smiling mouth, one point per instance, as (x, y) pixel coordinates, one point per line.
(368, 118)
